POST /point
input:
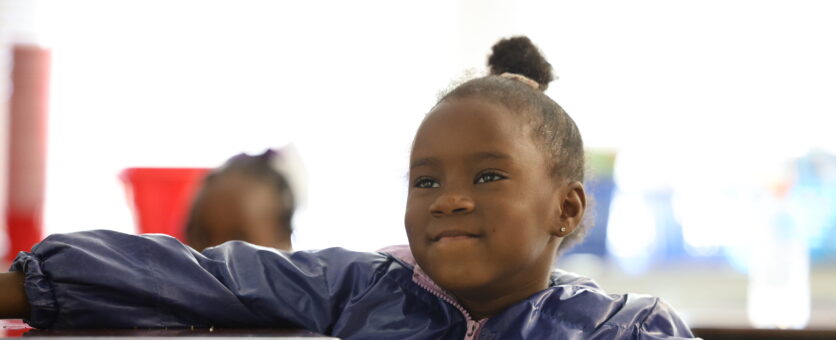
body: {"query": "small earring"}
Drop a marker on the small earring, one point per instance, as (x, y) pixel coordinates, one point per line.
(562, 229)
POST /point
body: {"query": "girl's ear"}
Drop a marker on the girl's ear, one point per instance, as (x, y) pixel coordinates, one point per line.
(572, 204)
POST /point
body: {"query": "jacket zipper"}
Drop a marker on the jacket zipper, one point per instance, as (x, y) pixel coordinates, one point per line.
(473, 327)
(423, 280)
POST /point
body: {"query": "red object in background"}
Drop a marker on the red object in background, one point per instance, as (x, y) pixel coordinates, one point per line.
(27, 147)
(161, 197)
(13, 328)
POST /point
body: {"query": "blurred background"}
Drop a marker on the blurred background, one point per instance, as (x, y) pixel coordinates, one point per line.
(709, 125)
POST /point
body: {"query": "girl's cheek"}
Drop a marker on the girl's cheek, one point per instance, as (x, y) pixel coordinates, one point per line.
(411, 218)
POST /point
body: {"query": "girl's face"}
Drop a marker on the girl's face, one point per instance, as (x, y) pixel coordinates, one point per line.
(483, 211)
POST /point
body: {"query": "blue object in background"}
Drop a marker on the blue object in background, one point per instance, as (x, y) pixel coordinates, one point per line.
(813, 199)
(600, 186)
(601, 191)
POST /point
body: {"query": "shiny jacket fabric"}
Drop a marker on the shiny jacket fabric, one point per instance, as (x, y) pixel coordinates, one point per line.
(105, 279)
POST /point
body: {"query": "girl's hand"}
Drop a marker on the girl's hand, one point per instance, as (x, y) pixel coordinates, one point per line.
(13, 303)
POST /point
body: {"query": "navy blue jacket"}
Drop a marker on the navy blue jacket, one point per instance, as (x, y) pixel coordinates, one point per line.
(105, 279)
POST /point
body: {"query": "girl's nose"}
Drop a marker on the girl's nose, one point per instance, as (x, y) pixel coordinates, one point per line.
(452, 204)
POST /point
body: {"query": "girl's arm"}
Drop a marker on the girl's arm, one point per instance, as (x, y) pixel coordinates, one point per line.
(13, 304)
(105, 279)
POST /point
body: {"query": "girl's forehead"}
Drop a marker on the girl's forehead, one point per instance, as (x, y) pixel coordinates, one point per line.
(471, 116)
(464, 127)
(463, 111)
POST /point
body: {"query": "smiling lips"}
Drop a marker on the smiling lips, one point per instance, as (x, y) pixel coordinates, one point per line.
(454, 235)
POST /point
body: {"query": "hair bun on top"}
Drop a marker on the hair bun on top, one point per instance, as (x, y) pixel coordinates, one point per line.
(519, 55)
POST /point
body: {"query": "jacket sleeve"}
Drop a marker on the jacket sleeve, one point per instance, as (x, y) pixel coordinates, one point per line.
(662, 322)
(105, 279)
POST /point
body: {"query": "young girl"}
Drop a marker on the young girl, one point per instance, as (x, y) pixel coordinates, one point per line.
(495, 194)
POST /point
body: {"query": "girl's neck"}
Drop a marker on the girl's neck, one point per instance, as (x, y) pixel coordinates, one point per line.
(484, 303)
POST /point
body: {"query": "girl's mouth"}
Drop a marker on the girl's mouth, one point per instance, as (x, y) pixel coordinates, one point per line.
(451, 235)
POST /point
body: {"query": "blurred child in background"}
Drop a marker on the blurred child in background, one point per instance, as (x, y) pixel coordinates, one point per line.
(248, 198)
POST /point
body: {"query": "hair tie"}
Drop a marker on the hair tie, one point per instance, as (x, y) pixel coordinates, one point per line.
(519, 77)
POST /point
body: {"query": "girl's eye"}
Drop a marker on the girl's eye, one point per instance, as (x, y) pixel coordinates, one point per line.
(489, 177)
(425, 183)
